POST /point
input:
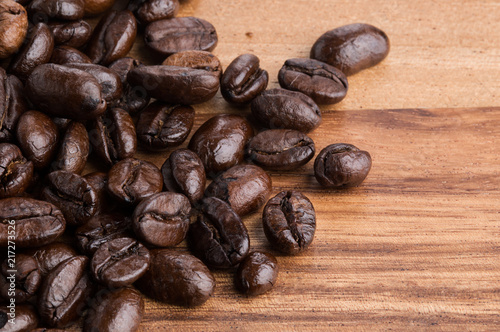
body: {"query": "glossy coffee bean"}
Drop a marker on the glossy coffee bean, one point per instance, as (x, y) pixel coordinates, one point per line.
(99, 181)
(342, 165)
(13, 28)
(96, 7)
(178, 34)
(51, 255)
(183, 172)
(257, 273)
(148, 11)
(289, 222)
(161, 126)
(245, 187)
(325, 84)
(243, 80)
(218, 237)
(73, 149)
(220, 142)
(177, 278)
(12, 104)
(162, 219)
(73, 34)
(16, 171)
(195, 59)
(26, 318)
(352, 48)
(23, 271)
(284, 109)
(280, 149)
(65, 54)
(67, 10)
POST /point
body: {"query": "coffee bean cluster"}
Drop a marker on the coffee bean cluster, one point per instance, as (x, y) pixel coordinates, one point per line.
(87, 244)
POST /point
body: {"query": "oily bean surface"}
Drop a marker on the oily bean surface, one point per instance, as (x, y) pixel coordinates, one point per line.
(16, 171)
(257, 273)
(13, 29)
(73, 34)
(26, 318)
(96, 7)
(51, 255)
(195, 59)
(66, 10)
(27, 278)
(148, 11)
(99, 181)
(13, 103)
(73, 149)
(66, 54)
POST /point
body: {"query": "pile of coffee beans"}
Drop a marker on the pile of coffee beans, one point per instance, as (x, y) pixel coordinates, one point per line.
(89, 245)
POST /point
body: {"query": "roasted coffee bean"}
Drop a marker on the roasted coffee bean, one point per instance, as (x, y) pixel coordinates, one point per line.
(162, 219)
(218, 237)
(148, 11)
(284, 109)
(257, 273)
(67, 10)
(96, 7)
(196, 60)
(118, 310)
(72, 194)
(13, 28)
(280, 149)
(65, 92)
(131, 180)
(177, 278)
(113, 37)
(34, 223)
(352, 48)
(161, 126)
(61, 123)
(342, 165)
(16, 171)
(176, 85)
(73, 149)
(325, 84)
(37, 50)
(99, 181)
(51, 255)
(180, 34)
(119, 262)
(37, 136)
(289, 222)
(73, 34)
(243, 80)
(183, 172)
(64, 292)
(245, 187)
(26, 318)
(113, 136)
(12, 104)
(23, 272)
(65, 54)
(220, 142)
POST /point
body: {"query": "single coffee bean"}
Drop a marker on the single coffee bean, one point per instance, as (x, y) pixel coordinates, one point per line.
(73, 34)
(72, 194)
(280, 149)
(148, 11)
(67, 10)
(26, 319)
(37, 136)
(16, 171)
(36, 222)
(243, 80)
(178, 34)
(175, 85)
(27, 278)
(161, 126)
(13, 29)
(220, 142)
(73, 149)
(162, 219)
(195, 59)
(284, 109)
(117, 310)
(289, 222)
(96, 7)
(218, 237)
(257, 273)
(12, 104)
(325, 84)
(65, 92)
(342, 165)
(132, 180)
(244, 187)
(99, 181)
(177, 278)
(352, 48)
(65, 54)
(183, 172)
(51, 255)
(113, 37)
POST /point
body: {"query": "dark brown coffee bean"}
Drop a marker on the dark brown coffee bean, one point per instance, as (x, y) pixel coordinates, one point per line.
(61, 123)
(195, 59)
(73, 150)
(220, 142)
(257, 273)
(176, 85)
(113, 37)
(162, 219)
(12, 104)
(180, 34)
(132, 180)
(24, 319)
(218, 237)
(161, 126)
(16, 171)
(13, 28)
(65, 54)
(289, 222)
(352, 48)
(284, 109)
(73, 34)
(183, 172)
(37, 136)
(280, 149)
(33, 223)
(99, 181)
(51, 255)
(243, 80)
(325, 84)
(23, 272)
(96, 7)
(245, 187)
(177, 278)
(72, 194)
(67, 10)
(342, 165)
(65, 92)
(148, 11)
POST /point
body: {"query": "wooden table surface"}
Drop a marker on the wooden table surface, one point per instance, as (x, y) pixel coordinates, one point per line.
(417, 245)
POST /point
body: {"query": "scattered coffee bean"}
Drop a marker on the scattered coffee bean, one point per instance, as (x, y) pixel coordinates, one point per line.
(99, 181)
(73, 150)
(73, 34)
(13, 29)
(16, 171)
(195, 59)
(96, 7)
(26, 319)
(51, 255)
(65, 54)
(12, 104)
(67, 10)
(148, 11)
(27, 278)
(257, 273)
